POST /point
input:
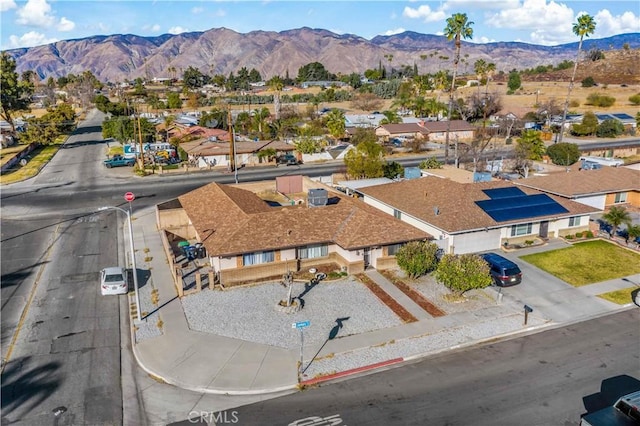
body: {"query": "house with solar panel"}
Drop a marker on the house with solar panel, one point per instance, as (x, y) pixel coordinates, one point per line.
(474, 217)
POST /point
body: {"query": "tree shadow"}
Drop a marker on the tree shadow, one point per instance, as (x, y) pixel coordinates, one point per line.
(309, 286)
(332, 335)
(610, 390)
(26, 385)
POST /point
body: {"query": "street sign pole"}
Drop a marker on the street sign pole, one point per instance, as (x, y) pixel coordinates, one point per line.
(301, 325)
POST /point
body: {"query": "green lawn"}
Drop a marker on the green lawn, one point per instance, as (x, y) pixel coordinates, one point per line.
(587, 263)
(621, 297)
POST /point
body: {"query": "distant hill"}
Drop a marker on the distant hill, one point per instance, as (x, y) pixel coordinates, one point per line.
(221, 51)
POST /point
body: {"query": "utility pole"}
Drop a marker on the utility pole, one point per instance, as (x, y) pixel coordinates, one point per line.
(232, 144)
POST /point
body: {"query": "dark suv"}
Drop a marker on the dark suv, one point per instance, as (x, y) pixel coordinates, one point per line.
(503, 271)
(288, 159)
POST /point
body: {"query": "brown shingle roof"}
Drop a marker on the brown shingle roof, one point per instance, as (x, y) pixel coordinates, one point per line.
(455, 202)
(396, 128)
(231, 221)
(586, 182)
(441, 126)
(205, 147)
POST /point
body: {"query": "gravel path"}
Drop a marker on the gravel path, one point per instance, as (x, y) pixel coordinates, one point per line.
(249, 313)
(148, 328)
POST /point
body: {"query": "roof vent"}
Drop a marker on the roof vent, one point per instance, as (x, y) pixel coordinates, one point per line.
(318, 197)
(436, 210)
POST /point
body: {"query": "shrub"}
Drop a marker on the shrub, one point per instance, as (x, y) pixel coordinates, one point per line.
(528, 242)
(563, 154)
(598, 100)
(609, 129)
(588, 234)
(635, 99)
(417, 258)
(588, 82)
(568, 237)
(579, 234)
(574, 103)
(431, 163)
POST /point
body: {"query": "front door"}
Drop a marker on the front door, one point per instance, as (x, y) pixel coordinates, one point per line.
(544, 229)
(366, 258)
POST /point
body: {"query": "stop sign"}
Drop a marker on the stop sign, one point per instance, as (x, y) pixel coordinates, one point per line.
(129, 196)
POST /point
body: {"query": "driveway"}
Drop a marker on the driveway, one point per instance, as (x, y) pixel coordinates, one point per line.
(550, 297)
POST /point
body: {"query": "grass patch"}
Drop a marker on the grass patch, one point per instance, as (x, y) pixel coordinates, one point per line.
(39, 157)
(621, 297)
(588, 262)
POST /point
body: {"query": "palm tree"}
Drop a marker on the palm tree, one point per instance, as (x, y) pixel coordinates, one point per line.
(458, 27)
(390, 116)
(480, 68)
(585, 26)
(335, 123)
(276, 84)
(615, 217)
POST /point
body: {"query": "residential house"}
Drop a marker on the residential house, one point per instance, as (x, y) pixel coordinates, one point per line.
(212, 152)
(247, 239)
(434, 131)
(598, 188)
(363, 120)
(474, 217)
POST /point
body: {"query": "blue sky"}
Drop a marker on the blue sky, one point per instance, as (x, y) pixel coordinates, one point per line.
(36, 22)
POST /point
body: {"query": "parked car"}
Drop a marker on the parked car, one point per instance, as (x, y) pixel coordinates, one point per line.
(288, 159)
(113, 280)
(119, 161)
(503, 271)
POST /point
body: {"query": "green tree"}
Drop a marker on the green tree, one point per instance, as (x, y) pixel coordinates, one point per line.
(461, 273)
(307, 144)
(633, 231)
(529, 147)
(192, 78)
(15, 94)
(563, 154)
(365, 161)
(588, 126)
(615, 217)
(417, 258)
(430, 163)
(635, 99)
(174, 101)
(393, 170)
(276, 85)
(335, 122)
(609, 129)
(514, 81)
(588, 82)
(363, 134)
(314, 71)
(585, 26)
(458, 27)
(390, 116)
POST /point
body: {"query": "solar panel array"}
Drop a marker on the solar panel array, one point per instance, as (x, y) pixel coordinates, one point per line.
(508, 208)
(510, 191)
(622, 116)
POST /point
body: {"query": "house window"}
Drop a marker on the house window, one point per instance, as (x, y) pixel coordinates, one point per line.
(311, 252)
(574, 221)
(621, 197)
(392, 250)
(397, 214)
(257, 258)
(522, 229)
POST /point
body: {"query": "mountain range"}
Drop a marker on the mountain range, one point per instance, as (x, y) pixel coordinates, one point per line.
(121, 57)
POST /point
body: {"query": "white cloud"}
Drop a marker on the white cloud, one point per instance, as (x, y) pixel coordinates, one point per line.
(551, 22)
(65, 24)
(36, 13)
(151, 28)
(607, 24)
(425, 13)
(220, 13)
(393, 32)
(177, 30)
(482, 40)
(7, 5)
(463, 5)
(197, 10)
(30, 39)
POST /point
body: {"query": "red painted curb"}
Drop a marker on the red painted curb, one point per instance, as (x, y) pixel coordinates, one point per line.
(350, 372)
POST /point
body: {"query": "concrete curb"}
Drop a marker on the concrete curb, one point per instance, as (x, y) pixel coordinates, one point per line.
(341, 374)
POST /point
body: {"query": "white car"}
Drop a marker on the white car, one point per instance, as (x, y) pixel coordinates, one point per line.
(113, 280)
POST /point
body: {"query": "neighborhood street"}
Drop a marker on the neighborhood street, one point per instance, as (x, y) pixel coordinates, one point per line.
(67, 350)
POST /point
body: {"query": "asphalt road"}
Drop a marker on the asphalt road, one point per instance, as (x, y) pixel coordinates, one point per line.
(542, 379)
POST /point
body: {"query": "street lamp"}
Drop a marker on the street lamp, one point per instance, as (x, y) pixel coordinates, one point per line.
(133, 256)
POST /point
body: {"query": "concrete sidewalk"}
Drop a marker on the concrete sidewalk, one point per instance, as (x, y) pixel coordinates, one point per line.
(204, 362)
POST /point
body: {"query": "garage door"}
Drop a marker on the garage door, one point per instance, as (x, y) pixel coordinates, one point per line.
(476, 241)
